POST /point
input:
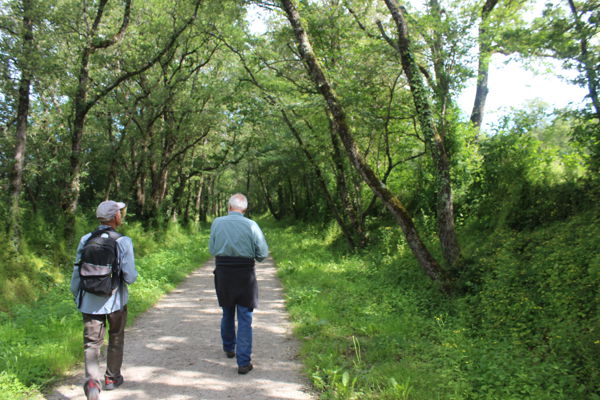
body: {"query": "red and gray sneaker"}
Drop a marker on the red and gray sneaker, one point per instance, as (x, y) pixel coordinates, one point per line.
(92, 390)
(112, 383)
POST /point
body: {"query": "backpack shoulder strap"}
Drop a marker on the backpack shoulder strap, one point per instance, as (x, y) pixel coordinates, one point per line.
(114, 235)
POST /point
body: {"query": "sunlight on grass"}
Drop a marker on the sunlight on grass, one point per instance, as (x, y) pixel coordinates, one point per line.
(372, 325)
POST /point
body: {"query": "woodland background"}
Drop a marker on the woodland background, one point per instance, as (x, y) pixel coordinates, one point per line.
(340, 121)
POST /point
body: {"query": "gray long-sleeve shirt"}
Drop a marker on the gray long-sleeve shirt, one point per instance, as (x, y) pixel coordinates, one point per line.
(234, 235)
(93, 304)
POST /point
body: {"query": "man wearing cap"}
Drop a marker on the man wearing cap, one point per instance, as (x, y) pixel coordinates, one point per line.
(236, 242)
(101, 311)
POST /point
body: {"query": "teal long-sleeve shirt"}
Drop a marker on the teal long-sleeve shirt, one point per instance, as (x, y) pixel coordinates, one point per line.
(234, 235)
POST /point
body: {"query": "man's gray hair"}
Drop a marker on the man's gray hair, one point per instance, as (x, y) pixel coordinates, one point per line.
(238, 201)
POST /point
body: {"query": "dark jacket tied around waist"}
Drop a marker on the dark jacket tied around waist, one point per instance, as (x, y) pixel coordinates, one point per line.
(235, 282)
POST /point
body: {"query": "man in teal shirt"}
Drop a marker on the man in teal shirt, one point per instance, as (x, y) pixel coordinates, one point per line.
(236, 242)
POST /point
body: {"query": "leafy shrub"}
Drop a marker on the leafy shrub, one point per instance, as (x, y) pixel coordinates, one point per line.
(538, 295)
(530, 174)
(527, 328)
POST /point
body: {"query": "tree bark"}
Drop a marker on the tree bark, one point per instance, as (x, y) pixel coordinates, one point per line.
(331, 204)
(350, 205)
(112, 176)
(82, 105)
(422, 254)
(268, 198)
(485, 55)
(433, 140)
(198, 200)
(22, 125)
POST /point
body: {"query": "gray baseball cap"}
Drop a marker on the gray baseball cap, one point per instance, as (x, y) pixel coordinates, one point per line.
(108, 209)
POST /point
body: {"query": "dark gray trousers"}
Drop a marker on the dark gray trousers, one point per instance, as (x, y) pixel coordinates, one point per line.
(94, 330)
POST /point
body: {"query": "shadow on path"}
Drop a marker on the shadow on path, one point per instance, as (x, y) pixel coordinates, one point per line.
(174, 352)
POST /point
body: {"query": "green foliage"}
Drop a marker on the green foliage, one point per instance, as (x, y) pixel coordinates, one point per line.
(372, 326)
(42, 262)
(12, 389)
(355, 316)
(41, 339)
(530, 173)
(540, 293)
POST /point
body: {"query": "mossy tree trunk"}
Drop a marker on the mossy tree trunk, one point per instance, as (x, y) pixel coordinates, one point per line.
(434, 140)
(340, 124)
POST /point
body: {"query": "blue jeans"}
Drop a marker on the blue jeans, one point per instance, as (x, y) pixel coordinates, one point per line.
(243, 345)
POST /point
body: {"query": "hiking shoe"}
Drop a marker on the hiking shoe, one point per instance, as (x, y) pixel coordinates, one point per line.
(230, 354)
(92, 390)
(112, 383)
(245, 369)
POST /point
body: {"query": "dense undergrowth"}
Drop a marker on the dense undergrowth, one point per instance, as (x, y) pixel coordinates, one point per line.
(373, 327)
(41, 333)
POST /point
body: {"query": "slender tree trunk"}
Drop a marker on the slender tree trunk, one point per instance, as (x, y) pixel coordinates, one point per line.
(140, 193)
(422, 254)
(434, 141)
(248, 180)
(268, 198)
(281, 202)
(82, 106)
(485, 55)
(81, 110)
(198, 203)
(331, 204)
(212, 198)
(141, 153)
(482, 89)
(159, 188)
(350, 206)
(179, 191)
(112, 168)
(188, 201)
(21, 128)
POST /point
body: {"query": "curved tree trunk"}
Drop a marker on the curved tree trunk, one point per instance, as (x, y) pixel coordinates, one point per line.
(82, 105)
(422, 254)
(433, 139)
(349, 235)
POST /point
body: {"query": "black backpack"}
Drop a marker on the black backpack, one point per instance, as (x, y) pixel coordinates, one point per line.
(99, 268)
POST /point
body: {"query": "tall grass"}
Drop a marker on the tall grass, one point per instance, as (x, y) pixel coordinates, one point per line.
(372, 326)
(41, 339)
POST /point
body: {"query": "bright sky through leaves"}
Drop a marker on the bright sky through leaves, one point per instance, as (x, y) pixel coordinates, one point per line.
(511, 83)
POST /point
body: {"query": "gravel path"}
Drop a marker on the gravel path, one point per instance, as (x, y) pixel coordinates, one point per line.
(174, 352)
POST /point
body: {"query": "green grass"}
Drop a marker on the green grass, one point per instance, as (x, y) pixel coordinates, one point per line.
(41, 340)
(372, 326)
(361, 328)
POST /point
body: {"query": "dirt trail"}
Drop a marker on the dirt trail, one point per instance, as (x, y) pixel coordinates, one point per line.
(174, 352)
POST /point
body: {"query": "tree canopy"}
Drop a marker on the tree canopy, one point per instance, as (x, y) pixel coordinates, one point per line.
(341, 110)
